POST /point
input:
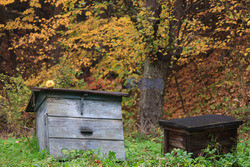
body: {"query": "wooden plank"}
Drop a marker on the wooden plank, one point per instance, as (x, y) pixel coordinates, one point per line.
(71, 128)
(229, 141)
(177, 130)
(39, 100)
(91, 108)
(225, 134)
(58, 145)
(188, 143)
(102, 109)
(196, 138)
(166, 138)
(177, 136)
(75, 95)
(200, 141)
(199, 145)
(177, 144)
(175, 139)
(63, 107)
(78, 91)
(41, 127)
(100, 97)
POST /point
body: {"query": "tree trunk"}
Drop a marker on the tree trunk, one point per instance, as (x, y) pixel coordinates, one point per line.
(152, 88)
(155, 73)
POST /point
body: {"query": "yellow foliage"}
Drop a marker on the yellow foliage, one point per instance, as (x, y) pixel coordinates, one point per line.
(115, 42)
(6, 2)
(35, 3)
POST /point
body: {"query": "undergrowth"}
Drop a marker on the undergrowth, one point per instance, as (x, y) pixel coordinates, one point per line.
(139, 152)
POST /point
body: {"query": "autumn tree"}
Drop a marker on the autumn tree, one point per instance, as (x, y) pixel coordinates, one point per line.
(115, 39)
(188, 27)
(165, 34)
(28, 40)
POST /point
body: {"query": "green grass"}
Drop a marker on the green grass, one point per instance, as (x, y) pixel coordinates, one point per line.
(139, 152)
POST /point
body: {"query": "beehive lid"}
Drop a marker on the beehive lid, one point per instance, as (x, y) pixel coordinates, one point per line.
(37, 90)
(199, 123)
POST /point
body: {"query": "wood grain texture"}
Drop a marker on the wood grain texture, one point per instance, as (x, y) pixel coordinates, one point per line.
(39, 100)
(71, 128)
(196, 141)
(63, 107)
(166, 139)
(58, 145)
(41, 128)
(177, 144)
(177, 136)
(102, 109)
(226, 134)
(91, 108)
(200, 141)
(60, 125)
(78, 92)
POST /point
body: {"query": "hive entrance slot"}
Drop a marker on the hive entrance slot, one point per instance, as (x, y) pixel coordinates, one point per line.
(86, 131)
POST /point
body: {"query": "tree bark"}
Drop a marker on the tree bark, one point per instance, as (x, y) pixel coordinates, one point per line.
(152, 88)
(155, 73)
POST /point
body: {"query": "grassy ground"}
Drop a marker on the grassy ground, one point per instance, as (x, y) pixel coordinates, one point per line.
(139, 152)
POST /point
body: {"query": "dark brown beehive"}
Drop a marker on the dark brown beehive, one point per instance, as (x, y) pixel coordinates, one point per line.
(193, 134)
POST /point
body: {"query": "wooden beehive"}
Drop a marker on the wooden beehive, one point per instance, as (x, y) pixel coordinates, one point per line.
(78, 119)
(193, 134)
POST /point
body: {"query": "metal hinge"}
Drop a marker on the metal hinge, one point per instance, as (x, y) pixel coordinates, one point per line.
(81, 103)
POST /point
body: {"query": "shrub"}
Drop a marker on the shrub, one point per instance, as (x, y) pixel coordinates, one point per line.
(14, 97)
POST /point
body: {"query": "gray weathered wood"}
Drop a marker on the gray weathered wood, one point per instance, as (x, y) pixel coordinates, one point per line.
(71, 128)
(39, 100)
(63, 107)
(102, 109)
(41, 127)
(58, 145)
(76, 119)
(91, 108)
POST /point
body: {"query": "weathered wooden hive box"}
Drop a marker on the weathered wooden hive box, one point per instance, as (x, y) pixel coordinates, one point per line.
(78, 119)
(193, 134)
